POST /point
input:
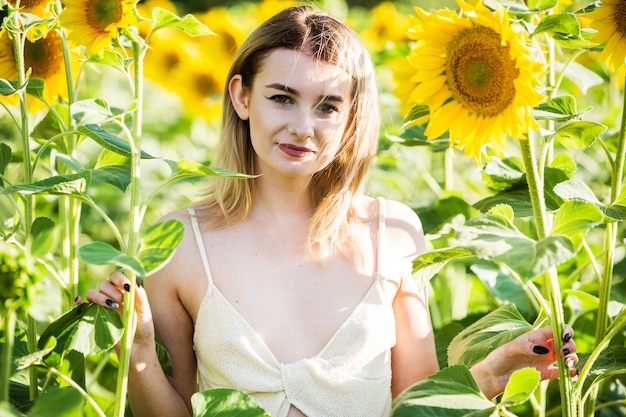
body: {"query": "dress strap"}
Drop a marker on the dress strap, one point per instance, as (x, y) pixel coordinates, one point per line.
(380, 235)
(201, 248)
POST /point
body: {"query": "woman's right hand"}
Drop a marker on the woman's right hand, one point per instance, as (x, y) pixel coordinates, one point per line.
(111, 295)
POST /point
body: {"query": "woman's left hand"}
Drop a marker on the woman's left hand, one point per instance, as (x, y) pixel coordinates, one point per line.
(535, 349)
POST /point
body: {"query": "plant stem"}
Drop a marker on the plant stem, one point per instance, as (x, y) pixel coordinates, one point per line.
(130, 315)
(535, 188)
(78, 388)
(611, 230)
(9, 336)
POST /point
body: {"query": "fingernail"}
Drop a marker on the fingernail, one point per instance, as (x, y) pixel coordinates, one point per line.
(540, 350)
(127, 287)
(566, 351)
(567, 337)
(111, 303)
(138, 282)
(76, 299)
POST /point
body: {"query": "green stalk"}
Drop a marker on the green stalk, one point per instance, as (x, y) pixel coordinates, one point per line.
(536, 190)
(5, 366)
(130, 316)
(29, 201)
(611, 231)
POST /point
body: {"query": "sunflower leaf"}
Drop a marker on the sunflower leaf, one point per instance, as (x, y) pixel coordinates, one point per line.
(71, 184)
(5, 158)
(579, 135)
(159, 243)
(451, 392)
(102, 253)
(188, 24)
(495, 238)
(429, 264)
(483, 336)
(225, 402)
(109, 141)
(564, 28)
(560, 109)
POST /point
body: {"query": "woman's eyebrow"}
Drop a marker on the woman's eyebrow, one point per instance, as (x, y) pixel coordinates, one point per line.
(282, 87)
(287, 89)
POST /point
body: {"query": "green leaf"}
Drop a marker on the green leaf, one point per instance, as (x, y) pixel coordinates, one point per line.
(109, 141)
(451, 392)
(50, 125)
(418, 112)
(579, 135)
(115, 175)
(42, 236)
(184, 169)
(8, 87)
(90, 111)
(35, 87)
(87, 328)
(560, 109)
(71, 184)
(520, 387)
(102, 253)
(503, 287)
(565, 29)
(188, 24)
(430, 263)
(225, 402)
(415, 136)
(495, 238)
(610, 363)
(58, 402)
(110, 58)
(159, 243)
(574, 219)
(486, 334)
(5, 158)
(447, 207)
(502, 174)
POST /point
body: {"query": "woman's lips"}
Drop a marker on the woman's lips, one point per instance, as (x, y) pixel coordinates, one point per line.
(295, 151)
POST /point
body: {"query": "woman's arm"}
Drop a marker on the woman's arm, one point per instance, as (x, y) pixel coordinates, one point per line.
(151, 391)
(414, 357)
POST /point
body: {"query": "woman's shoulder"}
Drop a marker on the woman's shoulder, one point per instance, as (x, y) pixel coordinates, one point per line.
(403, 228)
(396, 212)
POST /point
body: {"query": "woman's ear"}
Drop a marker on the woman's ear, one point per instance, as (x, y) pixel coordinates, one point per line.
(239, 96)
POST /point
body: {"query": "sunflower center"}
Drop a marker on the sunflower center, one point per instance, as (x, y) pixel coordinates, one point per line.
(44, 56)
(620, 17)
(480, 71)
(101, 13)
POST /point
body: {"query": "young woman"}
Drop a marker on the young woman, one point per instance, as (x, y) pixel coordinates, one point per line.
(294, 286)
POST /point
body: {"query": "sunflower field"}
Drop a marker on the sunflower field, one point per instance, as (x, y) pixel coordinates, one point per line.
(503, 127)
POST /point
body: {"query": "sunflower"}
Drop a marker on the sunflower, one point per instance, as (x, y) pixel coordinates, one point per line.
(475, 74)
(45, 59)
(95, 23)
(609, 20)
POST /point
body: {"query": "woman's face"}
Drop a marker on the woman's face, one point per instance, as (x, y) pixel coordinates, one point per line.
(297, 109)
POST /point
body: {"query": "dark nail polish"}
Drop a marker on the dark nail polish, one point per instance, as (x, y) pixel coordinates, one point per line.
(566, 352)
(138, 282)
(540, 350)
(127, 287)
(567, 337)
(111, 303)
(76, 298)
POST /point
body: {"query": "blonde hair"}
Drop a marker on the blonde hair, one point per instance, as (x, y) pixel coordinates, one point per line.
(307, 29)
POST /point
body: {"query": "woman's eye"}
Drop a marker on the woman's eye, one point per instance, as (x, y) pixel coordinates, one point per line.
(281, 99)
(327, 108)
